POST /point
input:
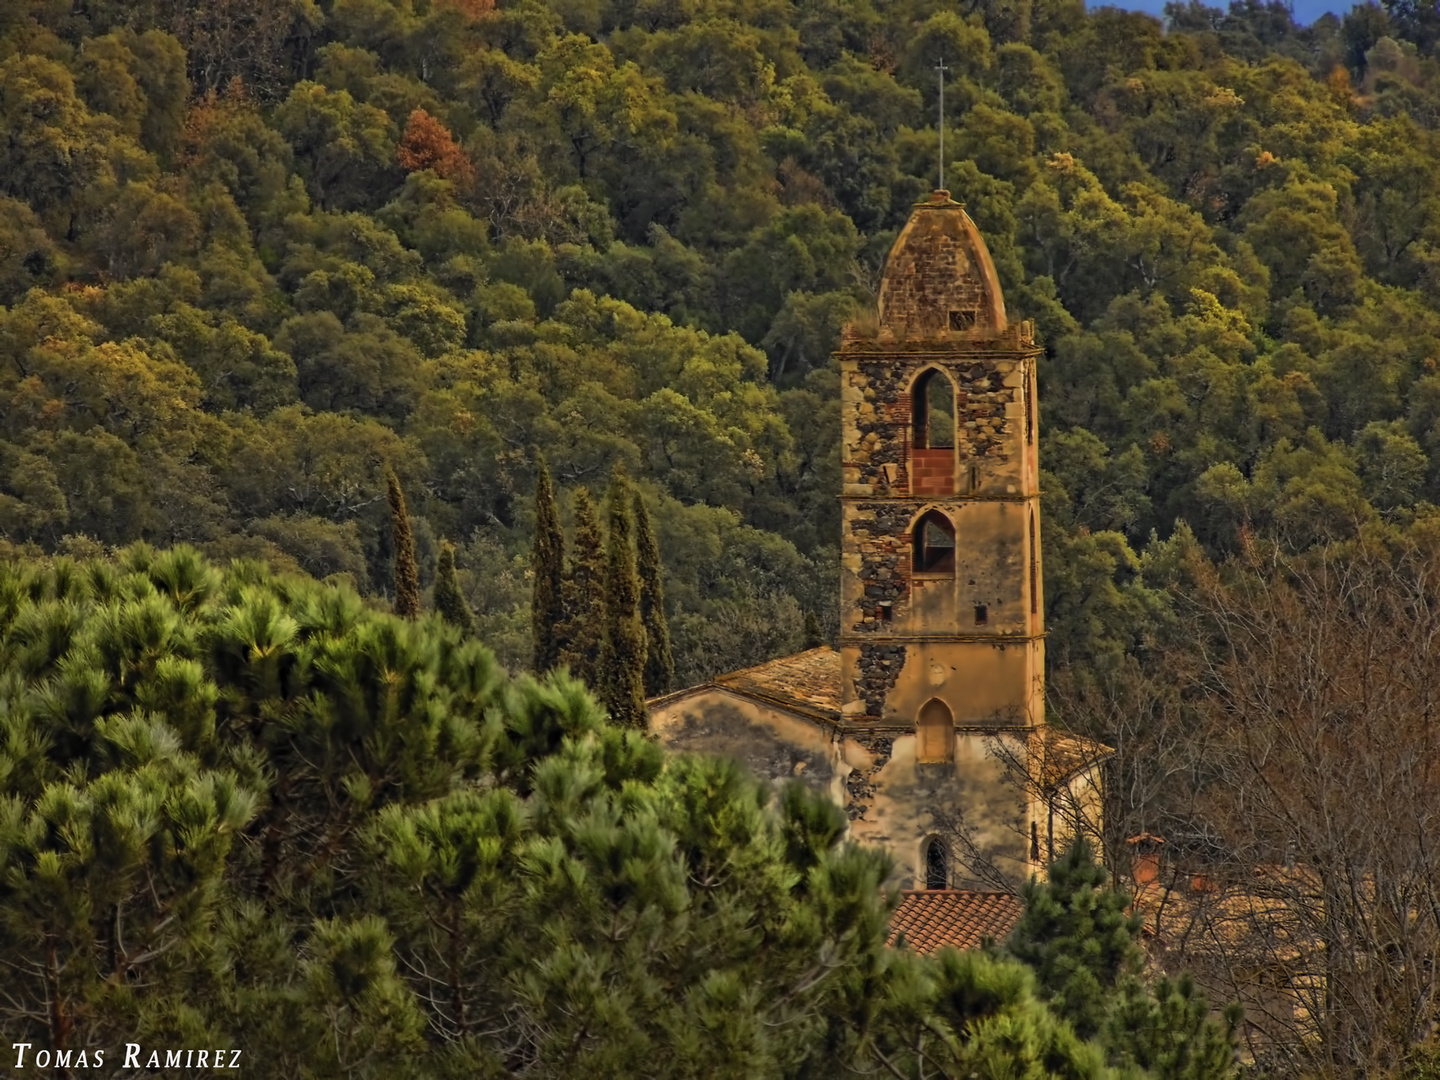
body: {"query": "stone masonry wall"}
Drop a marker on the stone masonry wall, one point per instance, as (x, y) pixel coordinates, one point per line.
(984, 426)
(880, 666)
(989, 410)
(930, 282)
(860, 789)
(880, 533)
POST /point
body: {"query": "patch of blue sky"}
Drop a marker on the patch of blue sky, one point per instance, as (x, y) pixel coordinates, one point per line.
(1306, 11)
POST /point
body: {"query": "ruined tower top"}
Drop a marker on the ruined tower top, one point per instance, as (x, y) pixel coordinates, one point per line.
(939, 281)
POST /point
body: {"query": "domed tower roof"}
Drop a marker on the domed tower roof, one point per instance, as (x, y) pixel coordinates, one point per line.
(939, 281)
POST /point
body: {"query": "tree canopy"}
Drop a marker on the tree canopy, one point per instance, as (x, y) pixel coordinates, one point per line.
(256, 260)
(246, 810)
(248, 264)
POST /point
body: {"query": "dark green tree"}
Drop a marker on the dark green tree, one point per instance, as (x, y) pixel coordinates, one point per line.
(584, 593)
(622, 650)
(449, 601)
(1166, 1029)
(814, 637)
(1077, 938)
(659, 660)
(1083, 947)
(547, 567)
(407, 572)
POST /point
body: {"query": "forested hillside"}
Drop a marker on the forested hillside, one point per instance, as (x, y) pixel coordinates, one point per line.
(251, 254)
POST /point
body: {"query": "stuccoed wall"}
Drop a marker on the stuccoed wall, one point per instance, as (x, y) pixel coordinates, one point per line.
(773, 743)
(890, 799)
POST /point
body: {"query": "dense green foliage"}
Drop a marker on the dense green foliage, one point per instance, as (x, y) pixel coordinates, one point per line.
(449, 601)
(583, 632)
(622, 649)
(659, 657)
(547, 572)
(1083, 946)
(251, 811)
(253, 258)
(407, 573)
(247, 263)
(1077, 937)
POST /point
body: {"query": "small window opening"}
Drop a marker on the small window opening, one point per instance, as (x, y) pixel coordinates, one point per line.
(974, 478)
(934, 540)
(1034, 841)
(962, 320)
(982, 614)
(937, 866)
(884, 611)
(932, 412)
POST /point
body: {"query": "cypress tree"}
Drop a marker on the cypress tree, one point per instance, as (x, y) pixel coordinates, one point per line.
(547, 564)
(584, 593)
(622, 656)
(659, 660)
(407, 573)
(449, 600)
(813, 636)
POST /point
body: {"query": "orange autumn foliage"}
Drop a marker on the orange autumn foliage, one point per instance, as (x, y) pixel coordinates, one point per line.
(428, 144)
(206, 112)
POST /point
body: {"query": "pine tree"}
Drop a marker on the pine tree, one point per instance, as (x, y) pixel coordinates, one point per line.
(659, 660)
(547, 565)
(449, 600)
(1076, 937)
(622, 655)
(1085, 953)
(584, 594)
(407, 573)
(1166, 1029)
(476, 846)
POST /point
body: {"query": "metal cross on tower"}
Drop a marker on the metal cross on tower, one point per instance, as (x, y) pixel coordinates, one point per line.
(941, 68)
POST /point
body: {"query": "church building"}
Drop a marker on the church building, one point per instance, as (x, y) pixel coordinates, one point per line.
(928, 723)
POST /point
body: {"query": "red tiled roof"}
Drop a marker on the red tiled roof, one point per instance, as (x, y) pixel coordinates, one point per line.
(931, 919)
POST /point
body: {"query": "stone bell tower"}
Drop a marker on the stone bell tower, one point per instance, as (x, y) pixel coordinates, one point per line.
(942, 618)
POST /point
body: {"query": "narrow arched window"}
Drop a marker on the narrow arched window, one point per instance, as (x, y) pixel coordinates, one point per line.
(934, 540)
(935, 732)
(932, 412)
(932, 442)
(937, 865)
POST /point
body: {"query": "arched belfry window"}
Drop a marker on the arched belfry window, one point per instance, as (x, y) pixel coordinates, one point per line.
(934, 540)
(933, 412)
(935, 732)
(937, 865)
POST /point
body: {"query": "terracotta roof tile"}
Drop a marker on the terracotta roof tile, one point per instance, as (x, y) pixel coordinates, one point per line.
(931, 919)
